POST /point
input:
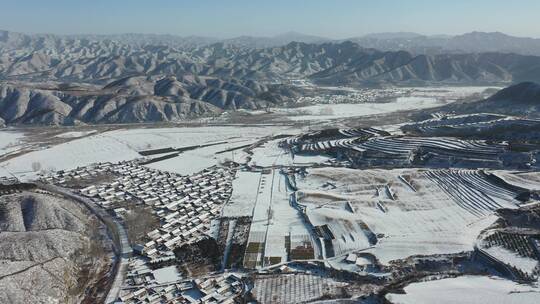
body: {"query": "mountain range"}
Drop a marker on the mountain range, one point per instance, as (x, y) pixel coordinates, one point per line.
(133, 78)
(473, 42)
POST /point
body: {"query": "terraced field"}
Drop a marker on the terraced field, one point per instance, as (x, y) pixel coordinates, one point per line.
(472, 191)
(402, 147)
(365, 148)
(489, 125)
(397, 213)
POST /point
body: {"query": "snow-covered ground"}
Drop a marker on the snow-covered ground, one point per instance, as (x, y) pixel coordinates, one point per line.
(284, 220)
(333, 111)
(423, 222)
(528, 180)
(270, 154)
(166, 275)
(274, 219)
(9, 141)
(193, 161)
(76, 134)
(420, 98)
(525, 264)
(468, 290)
(118, 145)
(80, 152)
(244, 195)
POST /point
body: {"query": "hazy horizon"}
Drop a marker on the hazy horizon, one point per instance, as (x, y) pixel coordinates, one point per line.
(219, 19)
(256, 36)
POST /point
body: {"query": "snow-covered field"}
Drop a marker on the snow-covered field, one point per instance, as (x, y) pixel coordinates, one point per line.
(118, 145)
(421, 98)
(193, 161)
(270, 154)
(333, 111)
(166, 275)
(528, 180)
(9, 141)
(274, 219)
(80, 152)
(244, 195)
(420, 221)
(76, 134)
(468, 290)
(284, 220)
(525, 264)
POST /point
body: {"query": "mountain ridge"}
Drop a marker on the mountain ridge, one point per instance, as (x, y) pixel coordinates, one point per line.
(471, 42)
(56, 80)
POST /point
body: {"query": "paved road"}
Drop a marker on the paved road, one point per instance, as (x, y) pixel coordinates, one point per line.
(122, 248)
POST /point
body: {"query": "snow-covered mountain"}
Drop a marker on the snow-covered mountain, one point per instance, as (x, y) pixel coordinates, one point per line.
(474, 42)
(136, 99)
(522, 99)
(94, 79)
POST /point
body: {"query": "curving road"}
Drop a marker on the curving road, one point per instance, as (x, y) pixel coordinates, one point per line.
(122, 248)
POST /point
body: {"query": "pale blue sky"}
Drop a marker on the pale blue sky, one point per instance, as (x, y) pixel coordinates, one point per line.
(227, 18)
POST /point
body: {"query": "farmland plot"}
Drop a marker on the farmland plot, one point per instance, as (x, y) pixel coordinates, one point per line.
(257, 235)
(69, 155)
(275, 223)
(270, 154)
(9, 141)
(467, 289)
(124, 144)
(529, 180)
(421, 98)
(472, 191)
(193, 161)
(408, 212)
(294, 288)
(244, 195)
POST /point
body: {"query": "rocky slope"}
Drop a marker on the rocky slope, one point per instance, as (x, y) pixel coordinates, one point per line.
(47, 245)
(135, 99)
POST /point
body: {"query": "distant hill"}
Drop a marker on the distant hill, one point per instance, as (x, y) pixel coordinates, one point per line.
(49, 57)
(274, 41)
(135, 99)
(522, 99)
(525, 93)
(474, 42)
(49, 79)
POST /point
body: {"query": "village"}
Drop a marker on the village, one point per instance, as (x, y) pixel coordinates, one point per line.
(184, 206)
(291, 225)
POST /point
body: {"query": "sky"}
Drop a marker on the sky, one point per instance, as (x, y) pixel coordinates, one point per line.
(230, 18)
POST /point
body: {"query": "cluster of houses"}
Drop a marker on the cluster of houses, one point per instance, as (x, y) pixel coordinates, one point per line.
(7, 181)
(224, 288)
(185, 205)
(357, 96)
(63, 176)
